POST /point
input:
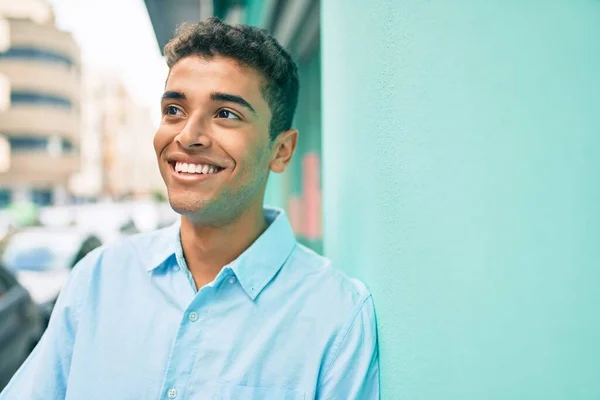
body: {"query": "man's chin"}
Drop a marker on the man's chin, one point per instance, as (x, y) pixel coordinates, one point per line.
(187, 204)
(186, 210)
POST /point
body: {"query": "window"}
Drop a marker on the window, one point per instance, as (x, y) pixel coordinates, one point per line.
(67, 146)
(5, 197)
(22, 97)
(28, 143)
(37, 55)
(36, 143)
(42, 197)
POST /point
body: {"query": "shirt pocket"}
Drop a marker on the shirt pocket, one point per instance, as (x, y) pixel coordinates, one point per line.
(233, 392)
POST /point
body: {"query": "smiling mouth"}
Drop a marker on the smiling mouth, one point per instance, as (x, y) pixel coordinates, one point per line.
(187, 169)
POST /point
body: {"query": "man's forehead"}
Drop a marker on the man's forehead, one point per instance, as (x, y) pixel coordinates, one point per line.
(199, 76)
(221, 75)
(214, 68)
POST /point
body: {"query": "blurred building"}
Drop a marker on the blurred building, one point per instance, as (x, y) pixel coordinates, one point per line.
(40, 115)
(118, 158)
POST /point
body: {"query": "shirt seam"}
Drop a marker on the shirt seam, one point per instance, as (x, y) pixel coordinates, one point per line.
(338, 344)
(268, 278)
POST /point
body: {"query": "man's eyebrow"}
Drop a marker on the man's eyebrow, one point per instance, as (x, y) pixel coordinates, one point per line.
(172, 95)
(231, 98)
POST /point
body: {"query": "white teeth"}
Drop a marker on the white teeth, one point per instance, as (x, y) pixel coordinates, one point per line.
(195, 168)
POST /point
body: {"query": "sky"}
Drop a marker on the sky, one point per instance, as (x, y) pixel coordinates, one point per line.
(116, 36)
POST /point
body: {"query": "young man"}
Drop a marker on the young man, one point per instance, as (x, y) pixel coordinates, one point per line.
(225, 304)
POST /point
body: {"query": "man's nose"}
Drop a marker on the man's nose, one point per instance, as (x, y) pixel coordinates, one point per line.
(195, 133)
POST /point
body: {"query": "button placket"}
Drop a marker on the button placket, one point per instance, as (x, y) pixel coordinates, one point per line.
(184, 357)
(193, 316)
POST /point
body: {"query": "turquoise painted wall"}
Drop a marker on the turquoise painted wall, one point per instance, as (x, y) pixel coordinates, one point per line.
(275, 192)
(461, 147)
(308, 122)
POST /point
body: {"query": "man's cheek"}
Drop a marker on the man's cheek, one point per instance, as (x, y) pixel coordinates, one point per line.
(161, 141)
(155, 143)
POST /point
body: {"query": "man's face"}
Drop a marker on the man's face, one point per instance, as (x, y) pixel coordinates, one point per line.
(213, 145)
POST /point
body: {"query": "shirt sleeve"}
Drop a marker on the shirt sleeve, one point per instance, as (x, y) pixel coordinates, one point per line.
(45, 373)
(353, 372)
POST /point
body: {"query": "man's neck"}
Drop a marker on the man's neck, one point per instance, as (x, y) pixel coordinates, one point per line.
(208, 249)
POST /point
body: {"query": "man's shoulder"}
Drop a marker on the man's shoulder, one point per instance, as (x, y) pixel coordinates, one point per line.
(146, 241)
(141, 248)
(325, 283)
(323, 268)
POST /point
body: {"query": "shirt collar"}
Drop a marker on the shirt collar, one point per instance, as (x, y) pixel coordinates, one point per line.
(257, 265)
(162, 246)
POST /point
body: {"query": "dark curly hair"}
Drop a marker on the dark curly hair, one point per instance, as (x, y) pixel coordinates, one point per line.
(251, 46)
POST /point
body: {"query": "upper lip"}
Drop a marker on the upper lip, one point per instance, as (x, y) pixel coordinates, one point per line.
(184, 158)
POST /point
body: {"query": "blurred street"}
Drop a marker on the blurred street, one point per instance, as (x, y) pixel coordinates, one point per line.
(77, 168)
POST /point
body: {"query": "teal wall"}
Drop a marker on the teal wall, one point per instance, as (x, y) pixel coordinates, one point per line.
(308, 122)
(275, 193)
(461, 148)
(254, 12)
(282, 188)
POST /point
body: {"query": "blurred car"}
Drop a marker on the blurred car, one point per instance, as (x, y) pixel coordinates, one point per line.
(21, 325)
(42, 258)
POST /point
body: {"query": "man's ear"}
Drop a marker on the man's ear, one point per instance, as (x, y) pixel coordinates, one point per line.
(284, 147)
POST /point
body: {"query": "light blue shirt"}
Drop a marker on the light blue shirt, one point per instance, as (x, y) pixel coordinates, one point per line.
(278, 323)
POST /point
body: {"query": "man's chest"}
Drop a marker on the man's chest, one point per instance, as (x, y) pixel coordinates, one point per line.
(214, 348)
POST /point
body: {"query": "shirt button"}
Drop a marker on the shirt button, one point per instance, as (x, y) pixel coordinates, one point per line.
(232, 279)
(172, 393)
(193, 316)
(176, 269)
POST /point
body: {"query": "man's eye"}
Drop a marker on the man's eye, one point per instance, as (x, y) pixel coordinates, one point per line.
(227, 114)
(172, 110)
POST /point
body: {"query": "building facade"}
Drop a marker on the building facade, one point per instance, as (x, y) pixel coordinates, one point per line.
(40, 118)
(118, 159)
